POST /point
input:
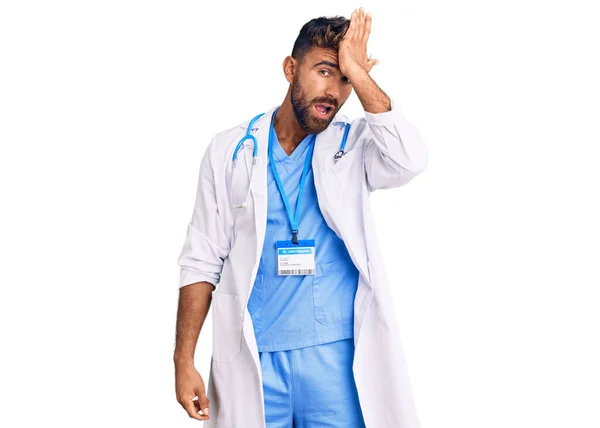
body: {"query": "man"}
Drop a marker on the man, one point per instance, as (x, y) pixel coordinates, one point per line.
(290, 239)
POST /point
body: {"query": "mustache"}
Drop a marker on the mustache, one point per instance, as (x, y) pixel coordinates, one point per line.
(326, 101)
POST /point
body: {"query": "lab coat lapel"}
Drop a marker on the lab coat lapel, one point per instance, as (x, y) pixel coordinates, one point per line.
(331, 196)
(258, 186)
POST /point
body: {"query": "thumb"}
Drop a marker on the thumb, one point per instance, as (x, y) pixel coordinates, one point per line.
(202, 401)
(371, 63)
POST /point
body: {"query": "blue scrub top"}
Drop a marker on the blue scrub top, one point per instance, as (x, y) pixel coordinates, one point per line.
(290, 312)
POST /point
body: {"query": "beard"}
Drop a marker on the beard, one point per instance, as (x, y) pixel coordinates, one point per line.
(310, 123)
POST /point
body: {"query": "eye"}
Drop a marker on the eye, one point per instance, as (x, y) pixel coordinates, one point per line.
(324, 71)
(345, 79)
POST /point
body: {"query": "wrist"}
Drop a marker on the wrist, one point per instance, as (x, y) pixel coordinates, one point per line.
(181, 360)
(357, 75)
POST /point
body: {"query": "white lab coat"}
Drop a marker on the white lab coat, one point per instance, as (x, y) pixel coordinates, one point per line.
(382, 151)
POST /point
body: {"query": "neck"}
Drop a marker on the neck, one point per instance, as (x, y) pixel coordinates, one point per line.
(288, 130)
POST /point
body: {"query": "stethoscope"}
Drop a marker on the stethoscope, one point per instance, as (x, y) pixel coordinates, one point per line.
(249, 136)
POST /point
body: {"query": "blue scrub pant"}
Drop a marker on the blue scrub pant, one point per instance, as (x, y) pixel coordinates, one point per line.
(311, 387)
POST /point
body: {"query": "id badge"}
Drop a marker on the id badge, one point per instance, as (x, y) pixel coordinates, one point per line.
(296, 259)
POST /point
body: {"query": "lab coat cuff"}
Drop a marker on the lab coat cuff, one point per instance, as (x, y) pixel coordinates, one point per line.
(388, 118)
(187, 277)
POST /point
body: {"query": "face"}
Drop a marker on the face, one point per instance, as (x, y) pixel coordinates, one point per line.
(318, 89)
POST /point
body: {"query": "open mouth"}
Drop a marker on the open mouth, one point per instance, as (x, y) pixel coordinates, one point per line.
(323, 110)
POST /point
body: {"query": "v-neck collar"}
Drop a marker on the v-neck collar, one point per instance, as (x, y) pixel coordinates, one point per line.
(281, 156)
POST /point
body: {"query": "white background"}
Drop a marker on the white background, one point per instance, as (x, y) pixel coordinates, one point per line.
(106, 108)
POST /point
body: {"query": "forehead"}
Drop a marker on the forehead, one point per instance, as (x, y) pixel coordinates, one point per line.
(317, 54)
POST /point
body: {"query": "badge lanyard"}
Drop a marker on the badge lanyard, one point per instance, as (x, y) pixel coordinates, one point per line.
(294, 220)
(295, 257)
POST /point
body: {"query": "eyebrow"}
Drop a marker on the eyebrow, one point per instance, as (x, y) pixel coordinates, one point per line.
(330, 64)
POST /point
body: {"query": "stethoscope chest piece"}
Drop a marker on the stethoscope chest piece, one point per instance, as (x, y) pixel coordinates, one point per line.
(340, 152)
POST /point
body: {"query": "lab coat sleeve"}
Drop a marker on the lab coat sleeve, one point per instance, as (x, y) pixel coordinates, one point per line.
(395, 152)
(206, 245)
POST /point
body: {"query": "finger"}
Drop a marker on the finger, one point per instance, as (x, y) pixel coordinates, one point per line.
(352, 28)
(190, 407)
(368, 22)
(361, 24)
(357, 29)
(202, 413)
(202, 401)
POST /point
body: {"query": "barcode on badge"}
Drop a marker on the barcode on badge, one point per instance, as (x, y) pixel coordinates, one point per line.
(297, 272)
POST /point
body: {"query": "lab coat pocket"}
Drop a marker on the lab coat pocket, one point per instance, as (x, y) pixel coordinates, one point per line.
(349, 173)
(227, 327)
(334, 289)
(344, 161)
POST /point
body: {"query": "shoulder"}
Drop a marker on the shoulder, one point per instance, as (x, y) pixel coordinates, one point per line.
(222, 145)
(222, 140)
(340, 122)
(227, 140)
(389, 119)
(353, 129)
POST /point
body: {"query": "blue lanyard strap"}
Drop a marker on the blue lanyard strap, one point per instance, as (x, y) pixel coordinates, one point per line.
(294, 220)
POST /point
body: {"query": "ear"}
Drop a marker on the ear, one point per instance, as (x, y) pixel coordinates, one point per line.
(290, 68)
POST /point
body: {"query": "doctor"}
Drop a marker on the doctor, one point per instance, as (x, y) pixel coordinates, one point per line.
(304, 329)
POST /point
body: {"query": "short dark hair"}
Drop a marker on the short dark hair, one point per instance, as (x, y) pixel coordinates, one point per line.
(324, 32)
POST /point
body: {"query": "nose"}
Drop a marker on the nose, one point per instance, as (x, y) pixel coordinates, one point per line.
(333, 90)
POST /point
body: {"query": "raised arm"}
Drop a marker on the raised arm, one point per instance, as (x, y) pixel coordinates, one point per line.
(394, 149)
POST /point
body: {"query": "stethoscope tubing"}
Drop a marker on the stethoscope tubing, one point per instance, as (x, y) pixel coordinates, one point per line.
(251, 137)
